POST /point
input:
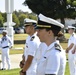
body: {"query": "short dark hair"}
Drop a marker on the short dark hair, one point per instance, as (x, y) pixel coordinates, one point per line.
(71, 28)
(55, 31)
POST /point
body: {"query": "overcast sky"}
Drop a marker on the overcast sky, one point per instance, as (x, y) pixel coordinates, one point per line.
(17, 6)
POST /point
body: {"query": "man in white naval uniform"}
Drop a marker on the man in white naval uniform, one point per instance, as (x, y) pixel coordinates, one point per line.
(31, 46)
(51, 61)
(5, 44)
(70, 50)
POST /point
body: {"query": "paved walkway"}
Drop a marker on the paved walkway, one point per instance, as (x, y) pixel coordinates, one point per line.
(15, 59)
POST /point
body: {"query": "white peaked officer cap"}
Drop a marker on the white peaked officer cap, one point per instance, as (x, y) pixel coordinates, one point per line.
(29, 22)
(72, 27)
(46, 22)
(5, 31)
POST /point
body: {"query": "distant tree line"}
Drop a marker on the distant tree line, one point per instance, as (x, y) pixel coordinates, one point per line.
(18, 17)
(52, 8)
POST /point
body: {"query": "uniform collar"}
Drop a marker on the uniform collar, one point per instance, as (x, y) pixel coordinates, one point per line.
(34, 34)
(73, 34)
(51, 46)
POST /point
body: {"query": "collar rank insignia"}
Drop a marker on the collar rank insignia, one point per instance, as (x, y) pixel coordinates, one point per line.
(32, 38)
(57, 47)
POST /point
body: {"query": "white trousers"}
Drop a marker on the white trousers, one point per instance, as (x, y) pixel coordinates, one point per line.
(72, 63)
(5, 58)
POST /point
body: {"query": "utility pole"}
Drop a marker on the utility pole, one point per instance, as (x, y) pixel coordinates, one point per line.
(9, 8)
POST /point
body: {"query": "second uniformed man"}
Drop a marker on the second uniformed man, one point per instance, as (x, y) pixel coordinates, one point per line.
(31, 46)
(5, 44)
(70, 50)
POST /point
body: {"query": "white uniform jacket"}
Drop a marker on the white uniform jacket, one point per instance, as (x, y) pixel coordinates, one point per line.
(51, 61)
(31, 46)
(5, 42)
(72, 57)
(72, 39)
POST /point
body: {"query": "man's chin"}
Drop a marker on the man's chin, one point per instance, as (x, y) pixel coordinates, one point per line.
(41, 40)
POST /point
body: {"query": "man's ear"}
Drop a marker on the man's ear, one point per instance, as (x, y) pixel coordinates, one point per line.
(49, 31)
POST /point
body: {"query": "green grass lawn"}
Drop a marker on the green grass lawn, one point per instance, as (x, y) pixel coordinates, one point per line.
(10, 72)
(67, 69)
(20, 36)
(67, 35)
(16, 71)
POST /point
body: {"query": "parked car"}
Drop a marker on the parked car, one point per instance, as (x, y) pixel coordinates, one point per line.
(21, 31)
(18, 30)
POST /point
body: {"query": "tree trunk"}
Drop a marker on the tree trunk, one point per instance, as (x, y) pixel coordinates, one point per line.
(63, 22)
(62, 38)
